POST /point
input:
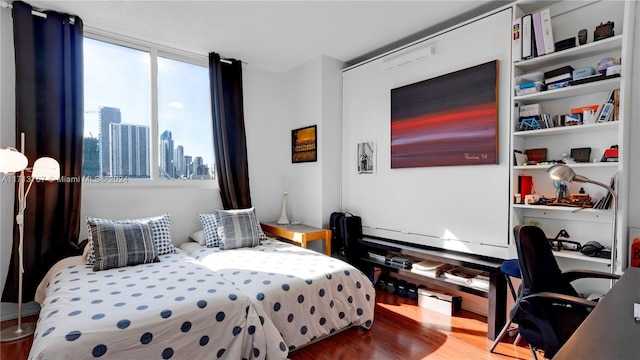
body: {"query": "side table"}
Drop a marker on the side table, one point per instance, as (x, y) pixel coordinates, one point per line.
(300, 234)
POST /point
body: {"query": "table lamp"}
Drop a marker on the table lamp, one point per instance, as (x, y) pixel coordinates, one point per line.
(566, 173)
(47, 169)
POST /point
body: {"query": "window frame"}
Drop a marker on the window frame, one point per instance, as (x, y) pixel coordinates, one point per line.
(155, 50)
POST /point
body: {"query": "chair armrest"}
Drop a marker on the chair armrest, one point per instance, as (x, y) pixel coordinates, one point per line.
(572, 275)
(565, 299)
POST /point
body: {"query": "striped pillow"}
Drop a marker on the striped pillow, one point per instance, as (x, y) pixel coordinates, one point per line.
(120, 245)
(237, 228)
(160, 230)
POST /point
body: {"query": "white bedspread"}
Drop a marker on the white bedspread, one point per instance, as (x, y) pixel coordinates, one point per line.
(306, 294)
(175, 308)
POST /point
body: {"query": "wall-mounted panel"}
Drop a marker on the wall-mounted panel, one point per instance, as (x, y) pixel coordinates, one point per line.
(456, 207)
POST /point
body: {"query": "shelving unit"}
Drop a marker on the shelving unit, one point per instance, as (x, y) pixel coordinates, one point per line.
(567, 18)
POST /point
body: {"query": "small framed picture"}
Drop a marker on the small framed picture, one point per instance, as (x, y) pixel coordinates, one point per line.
(366, 157)
(581, 154)
(303, 145)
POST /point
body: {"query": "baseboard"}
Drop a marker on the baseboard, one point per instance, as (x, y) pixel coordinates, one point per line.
(9, 311)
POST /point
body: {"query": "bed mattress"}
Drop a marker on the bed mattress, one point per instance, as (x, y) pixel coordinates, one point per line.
(306, 294)
(175, 308)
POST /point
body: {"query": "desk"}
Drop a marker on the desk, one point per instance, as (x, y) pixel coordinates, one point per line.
(610, 331)
(300, 234)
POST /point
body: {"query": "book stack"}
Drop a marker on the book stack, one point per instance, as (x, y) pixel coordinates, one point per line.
(532, 35)
(586, 114)
(558, 78)
(605, 201)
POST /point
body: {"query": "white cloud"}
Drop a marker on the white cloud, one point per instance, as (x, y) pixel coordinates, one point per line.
(176, 105)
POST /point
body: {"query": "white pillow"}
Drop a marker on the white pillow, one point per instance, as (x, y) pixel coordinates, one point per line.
(198, 237)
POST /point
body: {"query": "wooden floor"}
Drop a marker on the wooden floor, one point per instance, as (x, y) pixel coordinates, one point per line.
(401, 330)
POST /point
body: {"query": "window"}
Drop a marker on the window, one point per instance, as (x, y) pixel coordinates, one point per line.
(184, 120)
(121, 128)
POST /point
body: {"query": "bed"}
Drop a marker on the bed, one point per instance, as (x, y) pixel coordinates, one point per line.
(306, 294)
(174, 308)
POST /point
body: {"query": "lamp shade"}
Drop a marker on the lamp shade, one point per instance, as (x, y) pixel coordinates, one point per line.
(11, 160)
(566, 173)
(46, 168)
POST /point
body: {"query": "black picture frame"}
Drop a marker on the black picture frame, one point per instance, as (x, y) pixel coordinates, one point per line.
(304, 144)
(581, 155)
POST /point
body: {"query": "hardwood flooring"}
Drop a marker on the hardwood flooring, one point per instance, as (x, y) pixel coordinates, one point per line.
(401, 330)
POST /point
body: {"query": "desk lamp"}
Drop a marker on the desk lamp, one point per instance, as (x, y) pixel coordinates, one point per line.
(47, 169)
(566, 173)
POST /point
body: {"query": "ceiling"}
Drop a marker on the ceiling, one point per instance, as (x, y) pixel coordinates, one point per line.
(273, 35)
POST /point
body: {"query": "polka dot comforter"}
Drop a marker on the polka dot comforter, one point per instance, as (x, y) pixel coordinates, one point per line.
(172, 309)
(306, 294)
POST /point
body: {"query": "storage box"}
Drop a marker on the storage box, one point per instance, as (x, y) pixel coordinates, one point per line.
(440, 302)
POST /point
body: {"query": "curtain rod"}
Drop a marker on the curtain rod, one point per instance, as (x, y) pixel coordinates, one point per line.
(35, 12)
(7, 5)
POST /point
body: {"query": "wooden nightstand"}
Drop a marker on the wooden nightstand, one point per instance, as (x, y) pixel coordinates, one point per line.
(300, 234)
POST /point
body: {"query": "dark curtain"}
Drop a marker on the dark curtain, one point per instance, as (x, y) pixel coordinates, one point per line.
(49, 111)
(230, 143)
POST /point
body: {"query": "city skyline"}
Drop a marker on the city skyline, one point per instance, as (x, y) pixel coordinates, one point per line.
(125, 152)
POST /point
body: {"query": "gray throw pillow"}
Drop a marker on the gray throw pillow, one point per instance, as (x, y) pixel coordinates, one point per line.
(119, 245)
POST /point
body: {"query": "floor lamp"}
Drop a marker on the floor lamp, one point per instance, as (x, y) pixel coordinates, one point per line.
(47, 169)
(566, 173)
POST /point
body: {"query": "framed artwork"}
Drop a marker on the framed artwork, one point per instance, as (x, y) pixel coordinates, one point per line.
(451, 119)
(303, 145)
(366, 157)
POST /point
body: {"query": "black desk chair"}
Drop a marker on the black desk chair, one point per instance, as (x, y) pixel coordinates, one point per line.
(548, 309)
(510, 268)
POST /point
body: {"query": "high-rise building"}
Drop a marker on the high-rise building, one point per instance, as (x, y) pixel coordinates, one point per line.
(178, 159)
(108, 116)
(129, 150)
(91, 157)
(167, 169)
(188, 166)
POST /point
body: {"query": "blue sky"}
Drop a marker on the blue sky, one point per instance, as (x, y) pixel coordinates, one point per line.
(119, 77)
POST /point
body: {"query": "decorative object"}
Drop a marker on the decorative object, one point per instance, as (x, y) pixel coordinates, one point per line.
(603, 31)
(581, 154)
(303, 145)
(44, 169)
(451, 119)
(582, 36)
(366, 157)
(283, 215)
(566, 173)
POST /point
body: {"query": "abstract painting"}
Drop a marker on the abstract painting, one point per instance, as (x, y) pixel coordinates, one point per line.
(448, 120)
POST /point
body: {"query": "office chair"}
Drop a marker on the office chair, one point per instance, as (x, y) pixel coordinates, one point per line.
(549, 309)
(509, 268)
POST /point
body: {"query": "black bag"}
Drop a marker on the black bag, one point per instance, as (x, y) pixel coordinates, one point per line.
(346, 229)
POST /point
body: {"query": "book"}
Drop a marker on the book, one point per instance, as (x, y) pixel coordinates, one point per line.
(527, 38)
(547, 31)
(564, 78)
(537, 34)
(605, 114)
(559, 71)
(516, 40)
